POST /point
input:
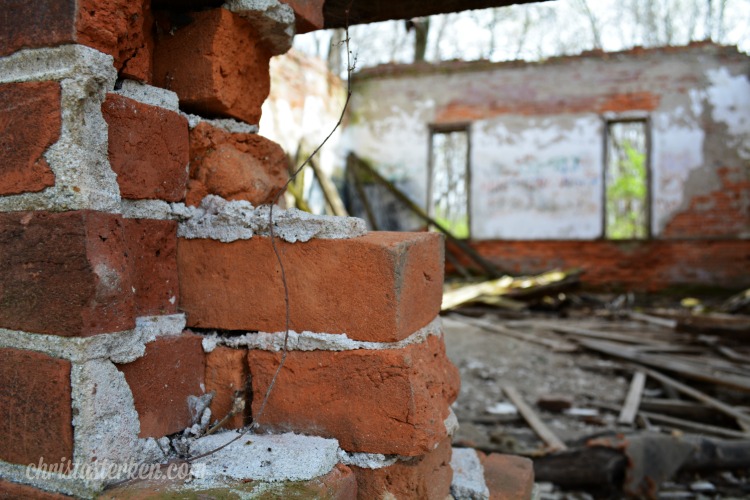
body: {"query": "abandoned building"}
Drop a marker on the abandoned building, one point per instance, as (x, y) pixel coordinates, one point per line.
(632, 166)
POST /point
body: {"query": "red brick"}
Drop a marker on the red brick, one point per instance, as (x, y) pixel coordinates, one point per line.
(234, 166)
(427, 477)
(121, 28)
(148, 149)
(217, 64)
(29, 124)
(14, 491)
(391, 401)
(152, 253)
(381, 287)
(649, 266)
(508, 477)
(309, 14)
(64, 273)
(227, 374)
(35, 404)
(171, 370)
(42, 23)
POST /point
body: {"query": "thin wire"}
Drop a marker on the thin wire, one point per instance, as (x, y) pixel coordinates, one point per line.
(285, 350)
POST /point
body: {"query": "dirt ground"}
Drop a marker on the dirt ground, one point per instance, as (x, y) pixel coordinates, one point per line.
(488, 361)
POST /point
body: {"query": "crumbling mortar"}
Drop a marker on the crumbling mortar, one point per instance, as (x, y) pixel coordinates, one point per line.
(227, 221)
(313, 341)
(119, 347)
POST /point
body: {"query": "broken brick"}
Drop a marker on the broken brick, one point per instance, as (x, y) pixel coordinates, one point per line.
(227, 375)
(162, 380)
(120, 28)
(508, 477)
(234, 166)
(216, 63)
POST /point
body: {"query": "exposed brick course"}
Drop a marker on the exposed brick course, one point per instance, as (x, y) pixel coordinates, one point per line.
(381, 287)
(64, 273)
(30, 120)
(426, 477)
(152, 253)
(121, 28)
(35, 404)
(148, 149)
(640, 266)
(171, 370)
(216, 63)
(234, 166)
(390, 401)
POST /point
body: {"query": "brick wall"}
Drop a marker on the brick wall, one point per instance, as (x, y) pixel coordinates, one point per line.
(140, 296)
(632, 265)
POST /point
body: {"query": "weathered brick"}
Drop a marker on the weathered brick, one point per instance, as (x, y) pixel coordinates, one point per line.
(29, 124)
(309, 14)
(426, 477)
(227, 374)
(14, 491)
(64, 273)
(35, 402)
(381, 287)
(216, 63)
(162, 380)
(234, 166)
(649, 265)
(148, 149)
(391, 401)
(508, 477)
(152, 253)
(121, 28)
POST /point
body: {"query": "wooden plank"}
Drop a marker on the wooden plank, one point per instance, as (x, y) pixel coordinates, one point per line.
(556, 345)
(633, 399)
(689, 425)
(540, 428)
(596, 334)
(653, 320)
(330, 192)
(666, 363)
(355, 180)
(742, 419)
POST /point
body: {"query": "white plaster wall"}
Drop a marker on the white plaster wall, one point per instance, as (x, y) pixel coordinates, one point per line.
(537, 178)
(540, 176)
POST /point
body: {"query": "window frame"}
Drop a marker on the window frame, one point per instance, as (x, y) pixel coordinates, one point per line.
(447, 128)
(607, 121)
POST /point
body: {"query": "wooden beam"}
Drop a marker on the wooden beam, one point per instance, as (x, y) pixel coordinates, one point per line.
(633, 399)
(553, 442)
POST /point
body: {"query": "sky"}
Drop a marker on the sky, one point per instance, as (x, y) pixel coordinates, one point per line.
(538, 31)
